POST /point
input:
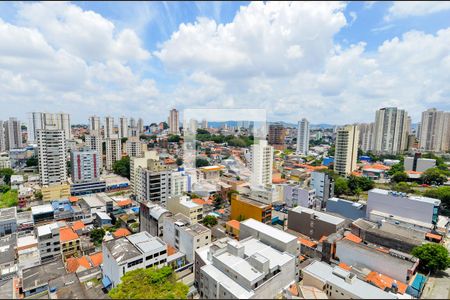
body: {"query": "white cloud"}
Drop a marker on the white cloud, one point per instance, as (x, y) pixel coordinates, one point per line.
(402, 9)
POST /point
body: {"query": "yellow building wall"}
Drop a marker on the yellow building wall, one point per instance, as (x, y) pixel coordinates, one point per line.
(53, 192)
(241, 210)
(232, 230)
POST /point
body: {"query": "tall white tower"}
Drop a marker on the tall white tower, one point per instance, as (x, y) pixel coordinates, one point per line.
(109, 125)
(52, 155)
(123, 127)
(261, 161)
(94, 124)
(346, 153)
(303, 137)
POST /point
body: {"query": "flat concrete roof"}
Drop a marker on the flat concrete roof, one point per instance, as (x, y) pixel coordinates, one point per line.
(320, 215)
(41, 209)
(8, 213)
(40, 275)
(273, 232)
(410, 197)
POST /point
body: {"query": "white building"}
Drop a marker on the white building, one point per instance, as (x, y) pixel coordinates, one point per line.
(94, 142)
(151, 218)
(136, 251)
(338, 283)
(8, 220)
(346, 152)
(109, 126)
(180, 233)
(294, 195)
(391, 130)
(418, 164)
(134, 147)
(246, 269)
(5, 161)
(52, 156)
(94, 125)
(140, 125)
(178, 183)
(45, 120)
(174, 122)
(12, 134)
(2, 137)
(323, 184)
(435, 133)
(113, 151)
(85, 166)
(413, 207)
(137, 163)
(303, 137)
(261, 161)
(366, 136)
(123, 127)
(48, 241)
(185, 206)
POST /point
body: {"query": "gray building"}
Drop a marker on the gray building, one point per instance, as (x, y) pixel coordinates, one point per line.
(294, 195)
(323, 184)
(347, 209)
(48, 241)
(314, 224)
(418, 164)
(8, 261)
(36, 279)
(8, 220)
(151, 218)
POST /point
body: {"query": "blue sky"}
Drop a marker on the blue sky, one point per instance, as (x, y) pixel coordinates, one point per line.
(330, 62)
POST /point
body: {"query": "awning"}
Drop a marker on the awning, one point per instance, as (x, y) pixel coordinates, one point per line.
(106, 282)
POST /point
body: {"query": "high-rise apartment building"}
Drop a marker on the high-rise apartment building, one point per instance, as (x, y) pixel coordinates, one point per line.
(123, 127)
(94, 142)
(204, 124)
(132, 122)
(174, 122)
(85, 166)
(140, 125)
(2, 137)
(109, 127)
(391, 130)
(303, 137)
(366, 136)
(52, 156)
(434, 135)
(94, 124)
(346, 152)
(12, 134)
(113, 151)
(261, 161)
(277, 133)
(134, 147)
(44, 120)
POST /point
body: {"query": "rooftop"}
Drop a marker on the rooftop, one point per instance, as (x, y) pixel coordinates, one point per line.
(102, 215)
(234, 224)
(273, 232)
(145, 242)
(8, 213)
(67, 234)
(7, 251)
(232, 286)
(320, 215)
(38, 276)
(46, 229)
(336, 276)
(122, 249)
(41, 209)
(121, 232)
(410, 197)
(93, 201)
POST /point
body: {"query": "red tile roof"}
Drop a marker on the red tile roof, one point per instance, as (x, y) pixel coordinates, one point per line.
(124, 202)
(307, 243)
(383, 281)
(171, 250)
(353, 238)
(96, 259)
(433, 236)
(73, 263)
(67, 234)
(73, 199)
(78, 225)
(121, 232)
(234, 224)
(344, 266)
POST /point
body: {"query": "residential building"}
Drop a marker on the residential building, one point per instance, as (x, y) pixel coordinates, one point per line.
(8, 221)
(45, 120)
(418, 164)
(277, 134)
(294, 195)
(184, 235)
(70, 242)
(396, 264)
(348, 209)
(434, 130)
(174, 122)
(2, 138)
(140, 126)
(102, 219)
(178, 183)
(422, 209)
(366, 136)
(113, 151)
(109, 127)
(42, 213)
(150, 179)
(261, 161)
(35, 280)
(134, 147)
(338, 283)
(346, 152)
(185, 206)
(245, 269)
(94, 142)
(137, 163)
(211, 173)
(55, 191)
(136, 251)
(85, 166)
(323, 184)
(151, 218)
(243, 207)
(49, 243)
(94, 125)
(52, 156)
(391, 130)
(12, 134)
(5, 161)
(312, 223)
(123, 127)
(303, 137)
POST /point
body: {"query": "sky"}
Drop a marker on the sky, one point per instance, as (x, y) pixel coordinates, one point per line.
(331, 62)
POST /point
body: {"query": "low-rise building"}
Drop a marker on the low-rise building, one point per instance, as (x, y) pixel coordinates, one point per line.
(418, 164)
(42, 213)
(48, 241)
(70, 242)
(347, 209)
(8, 261)
(102, 219)
(295, 195)
(242, 208)
(35, 280)
(8, 221)
(187, 207)
(182, 234)
(55, 191)
(314, 224)
(338, 283)
(28, 254)
(151, 218)
(140, 250)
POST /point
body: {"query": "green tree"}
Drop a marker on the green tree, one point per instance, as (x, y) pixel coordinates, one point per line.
(165, 125)
(396, 168)
(403, 187)
(209, 221)
(9, 199)
(38, 195)
(230, 194)
(218, 201)
(202, 131)
(32, 161)
(201, 162)
(173, 138)
(179, 161)
(6, 174)
(122, 167)
(341, 186)
(433, 257)
(152, 283)
(97, 235)
(4, 188)
(433, 176)
(124, 140)
(399, 176)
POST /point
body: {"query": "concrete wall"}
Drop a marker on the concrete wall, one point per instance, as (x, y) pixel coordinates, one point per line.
(346, 208)
(314, 228)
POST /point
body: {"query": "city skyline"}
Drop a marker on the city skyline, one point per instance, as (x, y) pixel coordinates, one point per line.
(362, 57)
